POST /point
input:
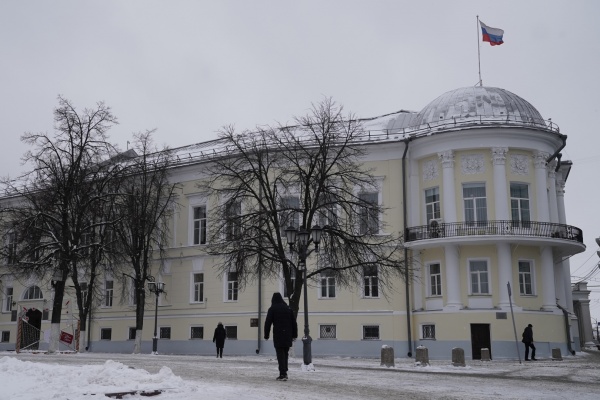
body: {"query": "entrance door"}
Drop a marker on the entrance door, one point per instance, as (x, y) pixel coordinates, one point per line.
(480, 339)
(30, 333)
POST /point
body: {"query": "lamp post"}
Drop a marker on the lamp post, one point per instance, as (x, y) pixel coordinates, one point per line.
(158, 288)
(303, 236)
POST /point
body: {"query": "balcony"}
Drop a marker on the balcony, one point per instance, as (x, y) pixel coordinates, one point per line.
(506, 229)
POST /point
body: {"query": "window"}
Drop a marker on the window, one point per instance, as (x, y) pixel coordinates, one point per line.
(432, 204)
(435, 280)
(85, 244)
(327, 213)
(233, 226)
(289, 215)
(105, 333)
(5, 337)
(293, 278)
(83, 286)
(46, 315)
(197, 332)
(108, 293)
(232, 286)
(479, 277)
(165, 332)
(132, 333)
(132, 293)
(525, 278)
(370, 332)
(369, 213)
(33, 293)
(199, 225)
(371, 281)
(327, 284)
(428, 331)
(198, 280)
(327, 332)
(519, 205)
(475, 204)
(8, 299)
(11, 248)
(231, 331)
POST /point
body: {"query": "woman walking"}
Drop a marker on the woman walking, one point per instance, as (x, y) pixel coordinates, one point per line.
(219, 338)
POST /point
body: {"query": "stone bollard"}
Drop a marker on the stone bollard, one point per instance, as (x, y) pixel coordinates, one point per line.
(387, 356)
(556, 354)
(458, 357)
(422, 356)
(485, 354)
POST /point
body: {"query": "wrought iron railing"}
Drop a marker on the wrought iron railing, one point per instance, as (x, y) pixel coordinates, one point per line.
(494, 228)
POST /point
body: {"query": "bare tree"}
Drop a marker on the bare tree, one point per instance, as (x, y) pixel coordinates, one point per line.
(146, 202)
(303, 175)
(53, 202)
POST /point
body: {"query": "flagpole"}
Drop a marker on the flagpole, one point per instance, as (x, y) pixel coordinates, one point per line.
(479, 53)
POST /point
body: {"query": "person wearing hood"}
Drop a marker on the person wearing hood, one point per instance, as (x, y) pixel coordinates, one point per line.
(285, 331)
(219, 339)
(528, 341)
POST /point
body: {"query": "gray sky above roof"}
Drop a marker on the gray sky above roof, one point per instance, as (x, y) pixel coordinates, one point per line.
(187, 68)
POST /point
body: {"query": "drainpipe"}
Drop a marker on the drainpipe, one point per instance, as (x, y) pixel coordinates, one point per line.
(566, 314)
(406, 281)
(557, 152)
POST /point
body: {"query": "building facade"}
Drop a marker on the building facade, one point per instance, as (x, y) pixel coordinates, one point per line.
(476, 182)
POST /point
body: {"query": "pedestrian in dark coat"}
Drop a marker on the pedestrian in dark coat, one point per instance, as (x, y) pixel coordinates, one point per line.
(285, 331)
(219, 338)
(528, 341)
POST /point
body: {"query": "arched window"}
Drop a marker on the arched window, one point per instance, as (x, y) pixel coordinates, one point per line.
(33, 293)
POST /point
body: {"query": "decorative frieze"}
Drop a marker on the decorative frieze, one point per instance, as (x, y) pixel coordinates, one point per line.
(430, 170)
(447, 158)
(519, 164)
(539, 159)
(472, 164)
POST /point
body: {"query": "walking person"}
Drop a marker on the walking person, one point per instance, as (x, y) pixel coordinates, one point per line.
(285, 331)
(219, 339)
(528, 341)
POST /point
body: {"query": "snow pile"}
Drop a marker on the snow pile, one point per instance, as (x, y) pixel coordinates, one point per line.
(22, 380)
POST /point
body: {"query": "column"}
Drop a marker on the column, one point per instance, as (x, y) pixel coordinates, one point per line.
(552, 199)
(539, 161)
(566, 264)
(547, 269)
(449, 195)
(500, 185)
(504, 273)
(453, 298)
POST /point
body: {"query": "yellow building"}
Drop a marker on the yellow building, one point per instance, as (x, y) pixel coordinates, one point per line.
(476, 182)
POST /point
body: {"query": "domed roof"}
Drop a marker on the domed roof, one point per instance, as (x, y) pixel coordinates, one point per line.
(478, 102)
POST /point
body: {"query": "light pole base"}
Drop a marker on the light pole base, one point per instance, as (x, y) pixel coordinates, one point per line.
(154, 345)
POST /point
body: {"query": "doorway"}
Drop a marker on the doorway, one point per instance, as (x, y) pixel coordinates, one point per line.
(480, 339)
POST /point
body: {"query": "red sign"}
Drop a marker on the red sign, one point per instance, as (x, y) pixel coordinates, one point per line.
(66, 337)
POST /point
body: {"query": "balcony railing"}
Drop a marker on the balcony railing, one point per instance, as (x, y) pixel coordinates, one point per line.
(494, 228)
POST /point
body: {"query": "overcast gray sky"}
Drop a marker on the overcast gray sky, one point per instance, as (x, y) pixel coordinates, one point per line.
(187, 68)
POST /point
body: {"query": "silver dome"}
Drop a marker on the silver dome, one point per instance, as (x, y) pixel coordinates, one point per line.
(478, 102)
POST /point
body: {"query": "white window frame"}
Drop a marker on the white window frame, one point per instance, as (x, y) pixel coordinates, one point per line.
(231, 288)
(531, 275)
(326, 326)
(194, 288)
(438, 280)
(479, 275)
(329, 283)
(328, 215)
(233, 230)
(196, 224)
(519, 221)
(367, 283)
(8, 298)
(108, 293)
(428, 331)
(474, 203)
(365, 326)
(296, 216)
(33, 292)
(365, 227)
(434, 213)
(201, 328)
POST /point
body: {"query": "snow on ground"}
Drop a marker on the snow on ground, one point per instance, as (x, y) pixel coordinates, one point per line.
(88, 376)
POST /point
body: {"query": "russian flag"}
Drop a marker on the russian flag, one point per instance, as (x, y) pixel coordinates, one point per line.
(491, 35)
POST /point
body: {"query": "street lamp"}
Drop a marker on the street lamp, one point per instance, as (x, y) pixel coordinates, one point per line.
(303, 236)
(158, 288)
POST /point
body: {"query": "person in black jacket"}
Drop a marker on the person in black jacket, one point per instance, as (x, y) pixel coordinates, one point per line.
(219, 338)
(528, 341)
(285, 331)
